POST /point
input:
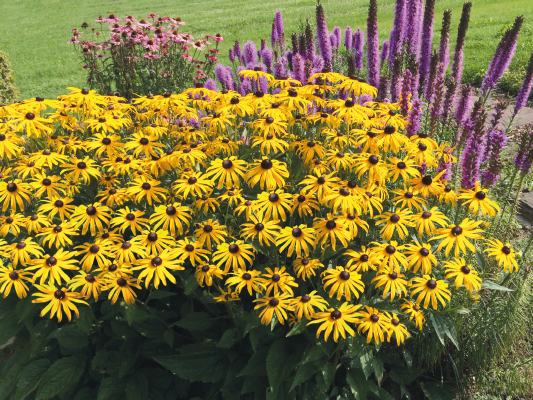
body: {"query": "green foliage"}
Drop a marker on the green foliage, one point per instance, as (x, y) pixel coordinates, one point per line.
(8, 90)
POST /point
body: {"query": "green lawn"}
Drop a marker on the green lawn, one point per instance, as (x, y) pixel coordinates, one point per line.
(35, 32)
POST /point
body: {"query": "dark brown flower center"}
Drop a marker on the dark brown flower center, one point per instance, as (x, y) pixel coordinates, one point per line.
(394, 218)
(259, 227)
(408, 195)
(395, 322)
(506, 250)
(192, 180)
(331, 225)
(457, 230)
(94, 249)
(246, 276)
(422, 147)
(321, 180)
(21, 245)
(233, 248)
(373, 159)
(427, 180)
(374, 318)
(297, 232)
(13, 275)
(305, 299)
(189, 247)
(276, 278)
(57, 229)
(126, 245)
(273, 197)
(344, 192)
(390, 249)
(30, 116)
(59, 294)
(415, 307)
(171, 210)
(90, 278)
(91, 210)
(152, 236)
(146, 186)
(122, 282)
(112, 268)
(431, 284)
(363, 258)
(273, 302)
(401, 165)
(11, 187)
(481, 195)
(393, 275)
(9, 220)
(424, 252)
(106, 141)
(157, 261)
(130, 217)
(465, 270)
(227, 164)
(336, 314)
(344, 275)
(266, 164)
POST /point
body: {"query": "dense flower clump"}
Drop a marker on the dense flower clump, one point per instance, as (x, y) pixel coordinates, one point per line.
(310, 207)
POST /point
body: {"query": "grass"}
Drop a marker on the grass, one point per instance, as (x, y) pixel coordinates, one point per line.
(35, 32)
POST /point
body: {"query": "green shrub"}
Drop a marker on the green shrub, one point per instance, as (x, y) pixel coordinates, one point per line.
(8, 90)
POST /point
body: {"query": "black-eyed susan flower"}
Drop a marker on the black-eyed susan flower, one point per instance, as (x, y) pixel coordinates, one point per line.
(195, 185)
(35, 222)
(173, 217)
(188, 250)
(58, 235)
(262, 230)
(411, 308)
(343, 200)
(352, 223)
(49, 269)
(89, 285)
(503, 253)
(227, 172)
(210, 231)
(322, 185)
(458, 235)
(22, 251)
(404, 167)
(298, 240)
(273, 205)
(46, 158)
(49, 184)
(58, 206)
(337, 320)
(463, 274)
(426, 220)
(122, 285)
(394, 282)
(391, 139)
(11, 223)
(278, 304)
(390, 255)
(146, 189)
(145, 144)
(448, 196)
(157, 267)
(270, 174)
(408, 198)
(205, 274)
(92, 252)
(397, 221)
(246, 279)
(371, 200)
(77, 168)
(478, 199)
(269, 144)
(112, 197)
(247, 207)
(59, 301)
(343, 282)
(307, 305)
(305, 268)
(363, 260)
(305, 204)
(226, 296)
(114, 268)
(278, 281)
(233, 255)
(374, 323)
(428, 185)
(329, 230)
(132, 219)
(233, 196)
(94, 217)
(338, 160)
(112, 236)
(10, 277)
(397, 328)
(430, 289)
(154, 242)
(126, 252)
(14, 194)
(420, 257)
(371, 164)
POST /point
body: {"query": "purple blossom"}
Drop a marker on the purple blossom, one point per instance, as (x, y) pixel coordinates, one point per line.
(318, 64)
(280, 69)
(298, 67)
(464, 104)
(268, 57)
(278, 22)
(274, 35)
(309, 43)
(348, 37)
(237, 50)
(458, 57)
(426, 46)
(211, 85)
(250, 53)
(525, 89)
(502, 57)
(333, 40)
(385, 51)
(230, 79)
(322, 35)
(413, 25)
(365, 98)
(524, 156)
(372, 47)
(476, 140)
(358, 44)
(406, 91)
(221, 73)
(337, 31)
(444, 47)
(396, 33)
(496, 141)
(231, 54)
(395, 85)
(435, 109)
(414, 118)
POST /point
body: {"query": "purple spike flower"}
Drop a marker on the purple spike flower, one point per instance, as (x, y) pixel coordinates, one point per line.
(426, 46)
(358, 44)
(385, 51)
(309, 43)
(436, 100)
(476, 140)
(318, 64)
(372, 57)
(274, 35)
(503, 56)
(298, 67)
(414, 118)
(406, 91)
(497, 139)
(396, 34)
(337, 31)
(458, 57)
(348, 37)
(412, 33)
(444, 47)
(525, 89)
(250, 53)
(237, 50)
(268, 57)
(278, 21)
(524, 156)
(231, 54)
(333, 40)
(211, 85)
(395, 85)
(280, 70)
(229, 77)
(322, 35)
(464, 104)
(221, 74)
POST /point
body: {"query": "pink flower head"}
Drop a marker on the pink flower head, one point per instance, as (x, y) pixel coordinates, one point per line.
(151, 44)
(177, 21)
(218, 38)
(151, 56)
(198, 45)
(187, 56)
(99, 19)
(152, 15)
(112, 19)
(129, 18)
(144, 25)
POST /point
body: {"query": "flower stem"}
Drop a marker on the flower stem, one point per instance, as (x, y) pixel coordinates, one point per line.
(515, 206)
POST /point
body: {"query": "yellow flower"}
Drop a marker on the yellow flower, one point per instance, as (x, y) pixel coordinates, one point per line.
(270, 174)
(59, 301)
(10, 277)
(462, 273)
(261, 229)
(458, 235)
(122, 285)
(205, 273)
(297, 240)
(233, 255)
(306, 268)
(330, 229)
(156, 267)
(420, 256)
(362, 260)
(411, 308)
(90, 285)
(394, 282)
(246, 279)
(397, 221)
(276, 304)
(477, 199)
(431, 290)
(337, 320)
(278, 281)
(504, 254)
(375, 323)
(343, 281)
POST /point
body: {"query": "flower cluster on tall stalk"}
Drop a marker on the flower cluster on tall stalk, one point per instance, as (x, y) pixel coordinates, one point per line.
(141, 56)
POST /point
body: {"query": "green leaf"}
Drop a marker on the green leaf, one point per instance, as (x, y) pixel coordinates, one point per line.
(30, 377)
(190, 284)
(228, 338)
(494, 286)
(298, 328)
(137, 387)
(328, 372)
(168, 336)
(198, 363)
(196, 321)
(313, 353)
(256, 364)
(437, 391)
(10, 326)
(70, 336)
(84, 394)
(282, 358)
(444, 327)
(357, 380)
(110, 388)
(408, 357)
(481, 262)
(130, 311)
(405, 376)
(304, 373)
(377, 366)
(404, 392)
(365, 358)
(60, 377)
(160, 294)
